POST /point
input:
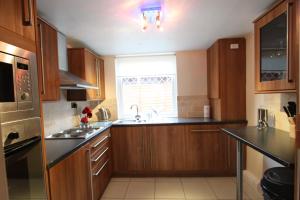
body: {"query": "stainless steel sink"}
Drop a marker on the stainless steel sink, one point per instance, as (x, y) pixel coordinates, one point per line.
(75, 133)
(130, 121)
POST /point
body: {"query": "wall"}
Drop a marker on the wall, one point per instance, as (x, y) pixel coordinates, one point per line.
(59, 115)
(192, 82)
(256, 162)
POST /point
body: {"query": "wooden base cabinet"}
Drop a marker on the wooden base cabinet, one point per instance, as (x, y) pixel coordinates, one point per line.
(84, 174)
(173, 150)
(70, 179)
(129, 150)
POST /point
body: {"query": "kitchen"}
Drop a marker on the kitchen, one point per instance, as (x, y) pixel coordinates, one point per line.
(105, 100)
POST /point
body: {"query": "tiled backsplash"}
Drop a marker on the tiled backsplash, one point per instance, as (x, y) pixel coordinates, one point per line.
(191, 106)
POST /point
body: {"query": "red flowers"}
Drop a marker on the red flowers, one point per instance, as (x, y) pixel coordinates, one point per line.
(86, 110)
(88, 114)
(84, 120)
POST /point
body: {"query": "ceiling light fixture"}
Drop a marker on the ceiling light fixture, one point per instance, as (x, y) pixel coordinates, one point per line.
(151, 15)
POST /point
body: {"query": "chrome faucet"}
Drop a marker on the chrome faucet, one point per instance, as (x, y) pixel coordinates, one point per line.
(137, 116)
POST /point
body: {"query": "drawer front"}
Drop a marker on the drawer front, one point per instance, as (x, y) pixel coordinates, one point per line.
(100, 178)
(101, 155)
(97, 143)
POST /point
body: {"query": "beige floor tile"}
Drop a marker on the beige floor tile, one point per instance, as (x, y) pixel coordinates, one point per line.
(167, 180)
(224, 188)
(193, 180)
(110, 199)
(120, 179)
(116, 190)
(170, 190)
(198, 189)
(143, 180)
(140, 190)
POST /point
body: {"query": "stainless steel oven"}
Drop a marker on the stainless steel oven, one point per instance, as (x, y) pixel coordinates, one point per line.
(20, 123)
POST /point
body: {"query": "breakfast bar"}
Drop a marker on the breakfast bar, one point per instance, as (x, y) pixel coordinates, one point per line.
(273, 143)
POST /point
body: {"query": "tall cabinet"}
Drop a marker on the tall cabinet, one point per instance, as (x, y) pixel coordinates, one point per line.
(226, 65)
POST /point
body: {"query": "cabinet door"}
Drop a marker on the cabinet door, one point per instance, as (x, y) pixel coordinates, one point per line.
(90, 61)
(167, 148)
(70, 179)
(18, 16)
(206, 150)
(213, 71)
(128, 145)
(47, 56)
(100, 93)
(275, 54)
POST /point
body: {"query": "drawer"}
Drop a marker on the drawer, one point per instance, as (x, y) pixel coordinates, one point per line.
(100, 179)
(203, 128)
(100, 156)
(98, 143)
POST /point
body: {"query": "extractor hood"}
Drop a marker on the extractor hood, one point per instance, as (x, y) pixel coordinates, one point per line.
(69, 81)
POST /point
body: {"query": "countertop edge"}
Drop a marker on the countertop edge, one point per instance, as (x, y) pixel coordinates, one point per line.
(180, 123)
(56, 161)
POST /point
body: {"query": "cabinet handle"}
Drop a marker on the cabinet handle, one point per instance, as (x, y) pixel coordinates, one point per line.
(96, 160)
(27, 13)
(97, 76)
(289, 43)
(88, 151)
(96, 145)
(99, 171)
(201, 131)
(40, 26)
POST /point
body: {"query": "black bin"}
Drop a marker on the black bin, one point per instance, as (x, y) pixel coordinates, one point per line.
(278, 184)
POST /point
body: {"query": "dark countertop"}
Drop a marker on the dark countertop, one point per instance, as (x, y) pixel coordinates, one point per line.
(274, 143)
(59, 149)
(174, 121)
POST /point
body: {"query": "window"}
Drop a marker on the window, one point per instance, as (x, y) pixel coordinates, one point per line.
(150, 82)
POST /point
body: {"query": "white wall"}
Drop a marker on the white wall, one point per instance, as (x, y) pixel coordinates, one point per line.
(191, 72)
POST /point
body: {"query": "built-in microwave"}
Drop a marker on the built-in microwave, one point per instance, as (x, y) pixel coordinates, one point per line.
(15, 83)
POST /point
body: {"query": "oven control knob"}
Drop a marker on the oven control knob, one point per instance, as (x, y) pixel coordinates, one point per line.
(13, 136)
(25, 96)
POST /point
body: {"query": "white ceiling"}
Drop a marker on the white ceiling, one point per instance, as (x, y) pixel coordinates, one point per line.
(112, 27)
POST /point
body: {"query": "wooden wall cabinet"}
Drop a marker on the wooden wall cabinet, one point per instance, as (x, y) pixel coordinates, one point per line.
(89, 67)
(47, 58)
(17, 23)
(85, 173)
(226, 67)
(276, 57)
(173, 150)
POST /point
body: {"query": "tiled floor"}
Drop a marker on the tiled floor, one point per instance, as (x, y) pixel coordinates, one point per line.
(172, 188)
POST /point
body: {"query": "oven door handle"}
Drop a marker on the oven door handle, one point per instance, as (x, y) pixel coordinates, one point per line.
(22, 146)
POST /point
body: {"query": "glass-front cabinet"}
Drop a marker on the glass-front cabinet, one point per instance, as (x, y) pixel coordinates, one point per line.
(275, 55)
